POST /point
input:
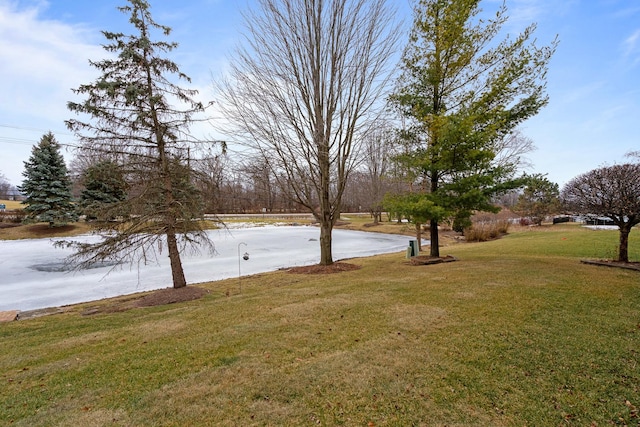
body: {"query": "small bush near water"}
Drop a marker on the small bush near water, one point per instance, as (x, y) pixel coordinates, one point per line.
(483, 231)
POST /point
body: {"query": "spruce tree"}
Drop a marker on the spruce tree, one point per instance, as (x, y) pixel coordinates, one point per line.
(104, 191)
(139, 115)
(47, 185)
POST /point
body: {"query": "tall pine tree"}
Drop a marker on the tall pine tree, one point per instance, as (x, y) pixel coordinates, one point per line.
(105, 190)
(140, 116)
(47, 185)
(463, 92)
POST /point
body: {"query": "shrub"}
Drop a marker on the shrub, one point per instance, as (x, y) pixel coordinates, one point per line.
(525, 222)
(483, 231)
(14, 216)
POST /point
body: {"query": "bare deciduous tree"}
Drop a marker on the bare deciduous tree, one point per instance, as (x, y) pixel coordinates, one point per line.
(304, 87)
(210, 171)
(511, 150)
(5, 186)
(378, 150)
(634, 155)
(612, 192)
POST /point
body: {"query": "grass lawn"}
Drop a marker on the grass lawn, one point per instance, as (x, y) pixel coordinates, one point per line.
(11, 204)
(42, 230)
(516, 333)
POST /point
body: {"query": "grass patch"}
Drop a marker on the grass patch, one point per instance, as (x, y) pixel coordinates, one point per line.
(364, 222)
(258, 221)
(11, 204)
(42, 230)
(517, 332)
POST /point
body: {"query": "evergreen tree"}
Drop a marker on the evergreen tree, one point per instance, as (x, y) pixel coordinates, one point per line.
(462, 93)
(141, 117)
(104, 190)
(539, 199)
(47, 186)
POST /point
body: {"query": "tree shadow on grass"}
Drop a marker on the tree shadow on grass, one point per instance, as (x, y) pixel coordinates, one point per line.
(611, 263)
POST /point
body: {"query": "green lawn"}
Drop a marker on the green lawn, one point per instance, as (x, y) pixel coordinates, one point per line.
(516, 333)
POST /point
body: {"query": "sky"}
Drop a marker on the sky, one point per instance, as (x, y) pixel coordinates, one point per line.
(590, 121)
(33, 274)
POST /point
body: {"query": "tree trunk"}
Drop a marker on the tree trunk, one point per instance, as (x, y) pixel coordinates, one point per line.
(433, 224)
(419, 236)
(623, 253)
(435, 245)
(327, 214)
(326, 256)
(177, 272)
(375, 218)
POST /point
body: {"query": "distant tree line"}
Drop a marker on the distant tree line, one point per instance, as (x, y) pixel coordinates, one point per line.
(7, 190)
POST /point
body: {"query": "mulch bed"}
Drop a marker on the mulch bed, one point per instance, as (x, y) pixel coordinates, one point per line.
(150, 299)
(428, 260)
(43, 230)
(9, 224)
(336, 267)
(611, 263)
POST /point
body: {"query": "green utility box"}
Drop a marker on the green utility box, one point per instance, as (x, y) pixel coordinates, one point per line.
(413, 245)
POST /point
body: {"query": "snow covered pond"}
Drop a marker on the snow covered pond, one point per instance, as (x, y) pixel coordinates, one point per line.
(31, 277)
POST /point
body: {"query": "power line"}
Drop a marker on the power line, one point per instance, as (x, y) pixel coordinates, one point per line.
(33, 129)
(28, 141)
(21, 141)
(8, 140)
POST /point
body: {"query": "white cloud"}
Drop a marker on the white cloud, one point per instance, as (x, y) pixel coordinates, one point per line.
(583, 93)
(523, 13)
(630, 44)
(628, 12)
(42, 60)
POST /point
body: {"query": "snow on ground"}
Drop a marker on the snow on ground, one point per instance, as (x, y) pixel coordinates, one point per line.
(601, 227)
(30, 277)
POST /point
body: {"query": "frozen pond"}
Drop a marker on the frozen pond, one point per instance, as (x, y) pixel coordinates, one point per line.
(30, 277)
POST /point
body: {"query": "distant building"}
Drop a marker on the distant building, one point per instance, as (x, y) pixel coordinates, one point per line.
(14, 194)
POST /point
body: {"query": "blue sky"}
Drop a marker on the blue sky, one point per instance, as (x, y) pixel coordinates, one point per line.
(593, 81)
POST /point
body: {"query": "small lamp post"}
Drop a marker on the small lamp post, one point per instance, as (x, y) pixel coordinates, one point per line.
(244, 257)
